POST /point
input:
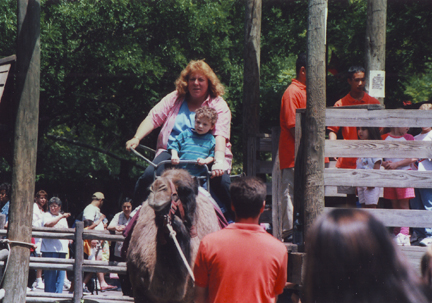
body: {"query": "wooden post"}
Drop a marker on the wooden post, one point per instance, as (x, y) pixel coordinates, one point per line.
(251, 76)
(375, 38)
(25, 147)
(313, 130)
(79, 260)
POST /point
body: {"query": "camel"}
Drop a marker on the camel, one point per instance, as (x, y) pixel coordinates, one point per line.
(156, 270)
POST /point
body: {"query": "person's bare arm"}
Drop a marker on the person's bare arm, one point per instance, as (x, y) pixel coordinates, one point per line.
(174, 157)
(207, 160)
(54, 221)
(201, 294)
(145, 128)
(96, 223)
(332, 136)
(217, 168)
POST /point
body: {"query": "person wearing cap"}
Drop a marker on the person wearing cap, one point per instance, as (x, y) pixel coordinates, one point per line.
(92, 212)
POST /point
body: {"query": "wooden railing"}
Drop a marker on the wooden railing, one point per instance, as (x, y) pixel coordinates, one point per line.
(77, 265)
(371, 116)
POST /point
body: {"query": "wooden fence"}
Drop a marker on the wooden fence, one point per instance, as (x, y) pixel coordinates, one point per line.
(371, 116)
(77, 265)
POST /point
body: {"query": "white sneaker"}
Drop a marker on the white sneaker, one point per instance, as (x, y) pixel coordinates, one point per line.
(66, 284)
(402, 240)
(426, 241)
(40, 285)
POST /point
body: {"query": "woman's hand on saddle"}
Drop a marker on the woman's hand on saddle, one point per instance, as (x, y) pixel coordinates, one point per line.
(132, 143)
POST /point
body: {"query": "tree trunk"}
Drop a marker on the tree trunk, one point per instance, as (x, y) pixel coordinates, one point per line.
(313, 129)
(375, 38)
(25, 148)
(251, 79)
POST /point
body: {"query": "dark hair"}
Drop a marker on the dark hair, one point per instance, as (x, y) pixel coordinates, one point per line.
(7, 188)
(426, 266)
(351, 258)
(374, 133)
(354, 70)
(127, 200)
(247, 196)
(301, 61)
(55, 200)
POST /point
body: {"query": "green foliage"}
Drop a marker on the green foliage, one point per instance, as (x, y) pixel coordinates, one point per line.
(106, 63)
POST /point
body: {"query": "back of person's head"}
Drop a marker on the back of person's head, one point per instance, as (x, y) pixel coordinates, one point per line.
(354, 70)
(351, 258)
(301, 62)
(247, 196)
(208, 113)
(374, 133)
(55, 200)
(7, 188)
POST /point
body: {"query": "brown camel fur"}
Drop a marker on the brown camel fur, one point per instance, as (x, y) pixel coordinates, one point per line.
(156, 270)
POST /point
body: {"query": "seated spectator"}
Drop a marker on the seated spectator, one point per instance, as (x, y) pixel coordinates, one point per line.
(54, 248)
(5, 195)
(118, 224)
(352, 258)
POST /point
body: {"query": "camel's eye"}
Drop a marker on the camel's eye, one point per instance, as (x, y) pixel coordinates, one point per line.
(163, 187)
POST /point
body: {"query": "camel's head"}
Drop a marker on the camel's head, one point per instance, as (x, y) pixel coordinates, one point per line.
(161, 192)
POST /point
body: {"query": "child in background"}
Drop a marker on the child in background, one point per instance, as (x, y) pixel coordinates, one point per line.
(368, 196)
(196, 144)
(423, 196)
(399, 197)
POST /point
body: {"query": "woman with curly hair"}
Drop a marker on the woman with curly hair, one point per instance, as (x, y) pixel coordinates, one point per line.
(197, 86)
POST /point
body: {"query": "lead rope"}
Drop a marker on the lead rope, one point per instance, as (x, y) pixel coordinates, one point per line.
(173, 236)
(8, 242)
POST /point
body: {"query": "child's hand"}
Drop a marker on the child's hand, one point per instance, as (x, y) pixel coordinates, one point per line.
(201, 161)
(389, 165)
(175, 160)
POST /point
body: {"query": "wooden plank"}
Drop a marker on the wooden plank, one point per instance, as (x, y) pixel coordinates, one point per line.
(79, 258)
(400, 217)
(6, 60)
(276, 199)
(414, 255)
(376, 148)
(265, 144)
(264, 167)
(4, 69)
(296, 268)
(377, 178)
(378, 118)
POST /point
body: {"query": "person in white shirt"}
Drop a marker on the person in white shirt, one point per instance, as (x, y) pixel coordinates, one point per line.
(118, 224)
(54, 248)
(92, 212)
(40, 207)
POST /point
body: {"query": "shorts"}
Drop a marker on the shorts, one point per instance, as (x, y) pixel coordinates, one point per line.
(394, 193)
(368, 196)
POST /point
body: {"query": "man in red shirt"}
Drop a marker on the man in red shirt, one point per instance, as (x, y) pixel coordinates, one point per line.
(242, 262)
(293, 98)
(356, 96)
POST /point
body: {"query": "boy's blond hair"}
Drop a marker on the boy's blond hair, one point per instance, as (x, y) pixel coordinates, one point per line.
(207, 112)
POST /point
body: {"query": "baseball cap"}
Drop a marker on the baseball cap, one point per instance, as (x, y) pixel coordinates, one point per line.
(98, 196)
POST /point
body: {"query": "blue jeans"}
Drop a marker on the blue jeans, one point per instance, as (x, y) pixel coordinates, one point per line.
(422, 201)
(54, 279)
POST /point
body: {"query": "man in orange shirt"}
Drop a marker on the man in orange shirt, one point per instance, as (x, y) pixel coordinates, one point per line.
(356, 96)
(242, 262)
(293, 98)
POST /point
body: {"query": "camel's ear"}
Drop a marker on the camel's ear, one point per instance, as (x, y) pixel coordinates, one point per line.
(186, 187)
